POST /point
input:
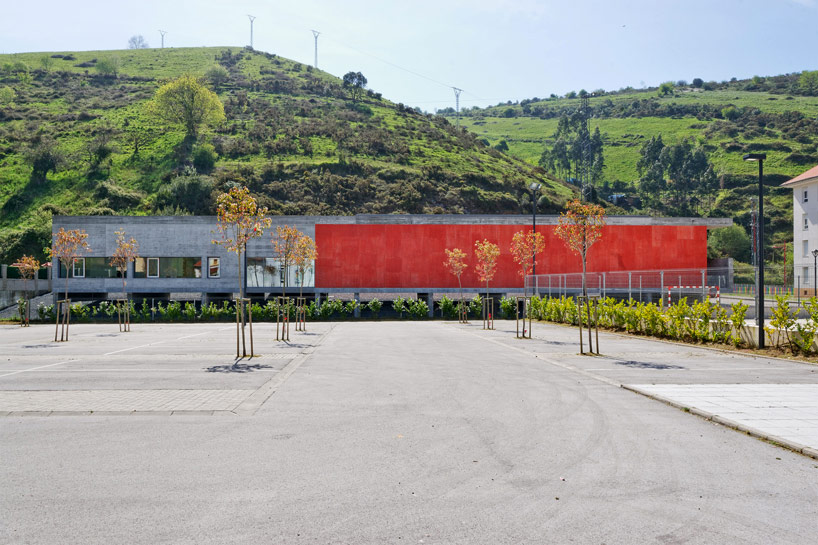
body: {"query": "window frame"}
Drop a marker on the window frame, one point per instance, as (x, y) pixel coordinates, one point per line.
(218, 265)
(806, 196)
(148, 267)
(74, 268)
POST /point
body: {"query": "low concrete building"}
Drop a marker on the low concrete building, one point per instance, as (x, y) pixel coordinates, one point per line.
(363, 254)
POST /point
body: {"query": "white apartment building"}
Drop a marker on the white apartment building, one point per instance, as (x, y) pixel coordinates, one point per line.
(804, 227)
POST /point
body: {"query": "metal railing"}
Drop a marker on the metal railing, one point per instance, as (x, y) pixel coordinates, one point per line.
(631, 284)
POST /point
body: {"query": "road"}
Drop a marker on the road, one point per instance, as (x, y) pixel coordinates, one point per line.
(395, 432)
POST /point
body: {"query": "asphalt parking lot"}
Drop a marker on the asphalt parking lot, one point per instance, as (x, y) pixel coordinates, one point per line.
(393, 432)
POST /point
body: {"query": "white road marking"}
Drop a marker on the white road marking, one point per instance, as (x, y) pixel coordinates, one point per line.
(35, 368)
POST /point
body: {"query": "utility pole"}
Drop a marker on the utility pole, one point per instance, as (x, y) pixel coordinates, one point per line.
(457, 102)
(252, 18)
(316, 33)
(163, 32)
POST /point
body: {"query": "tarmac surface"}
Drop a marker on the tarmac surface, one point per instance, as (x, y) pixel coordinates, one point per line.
(396, 432)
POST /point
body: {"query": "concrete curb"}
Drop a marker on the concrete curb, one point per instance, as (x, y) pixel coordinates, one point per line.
(753, 432)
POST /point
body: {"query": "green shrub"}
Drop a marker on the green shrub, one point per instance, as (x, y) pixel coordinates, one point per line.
(508, 308)
(374, 307)
(190, 311)
(447, 308)
(351, 306)
(418, 309)
(399, 305)
(204, 157)
(476, 306)
(737, 317)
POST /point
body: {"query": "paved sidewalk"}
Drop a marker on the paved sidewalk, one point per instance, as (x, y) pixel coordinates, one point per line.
(121, 400)
(786, 413)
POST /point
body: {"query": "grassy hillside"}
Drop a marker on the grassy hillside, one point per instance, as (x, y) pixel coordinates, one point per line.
(726, 119)
(292, 134)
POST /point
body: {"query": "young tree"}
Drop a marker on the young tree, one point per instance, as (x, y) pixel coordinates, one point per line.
(28, 267)
(108, 66)
(67, 247)
(217, 75)
(285, 245)
(486, 253)
(525, 246)
(305, 253)
(127, 251)
(456, 263)
(580, 226)
(187, 102)
(239, 219)
(355, 82)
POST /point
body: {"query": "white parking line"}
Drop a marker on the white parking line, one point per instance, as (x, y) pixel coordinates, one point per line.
(35, 368)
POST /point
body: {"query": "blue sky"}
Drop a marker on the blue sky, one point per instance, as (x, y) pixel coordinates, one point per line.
(496, 50)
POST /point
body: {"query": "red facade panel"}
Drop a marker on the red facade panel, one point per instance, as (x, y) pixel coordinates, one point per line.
(412, 256)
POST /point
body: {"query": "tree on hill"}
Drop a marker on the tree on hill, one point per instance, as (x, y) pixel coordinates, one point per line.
(666, 88)
(217, 75)
(187, 102)
(44, 156)
(137, 42)
(574, 149)
(681, 172)
(356, 83)
(108, 66)
(697, 82)
(808, 81)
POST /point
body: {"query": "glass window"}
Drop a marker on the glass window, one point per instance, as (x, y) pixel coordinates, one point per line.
(806, 196)
(168, 267)
(98, 267)
(805, 248)
(79, 267)
(806, 223)
(805, 273)
(265, 272)
(214, 267)
(153, 267)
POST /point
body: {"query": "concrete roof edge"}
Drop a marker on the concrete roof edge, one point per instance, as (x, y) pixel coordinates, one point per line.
(400, 219)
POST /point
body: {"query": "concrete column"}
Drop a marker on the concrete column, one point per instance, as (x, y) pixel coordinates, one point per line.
(430, 300)
(357, 297)
(4, 274)
(50, 275)
(317, 299)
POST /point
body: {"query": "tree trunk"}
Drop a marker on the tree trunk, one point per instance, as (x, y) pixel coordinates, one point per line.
(240, 306)
(584, 273)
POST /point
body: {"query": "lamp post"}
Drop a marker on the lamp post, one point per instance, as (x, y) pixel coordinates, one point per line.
(815, 273)
(759, 158)
(534, 187)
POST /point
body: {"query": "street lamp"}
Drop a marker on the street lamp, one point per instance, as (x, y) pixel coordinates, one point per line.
(534, 187)
(760, 157)
(815, 273)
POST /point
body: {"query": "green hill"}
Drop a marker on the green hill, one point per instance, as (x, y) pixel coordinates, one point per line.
(77, 137)
(775, 115)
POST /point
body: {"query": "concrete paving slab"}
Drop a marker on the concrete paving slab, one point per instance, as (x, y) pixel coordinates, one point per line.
(768, 411)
